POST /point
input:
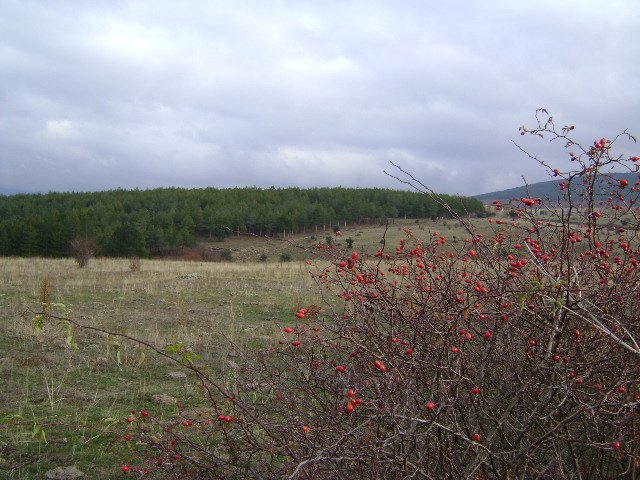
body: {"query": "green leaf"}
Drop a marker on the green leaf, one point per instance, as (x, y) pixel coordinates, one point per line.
(8, 418)
(141, 358)
(38, 322)
(69, 333)
(189, 357)
(175, 348)
(116, 346)
(38, 431)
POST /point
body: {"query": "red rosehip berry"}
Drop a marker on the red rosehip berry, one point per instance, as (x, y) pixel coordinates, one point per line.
(380, 366)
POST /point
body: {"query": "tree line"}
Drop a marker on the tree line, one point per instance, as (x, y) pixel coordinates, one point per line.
(145, 222)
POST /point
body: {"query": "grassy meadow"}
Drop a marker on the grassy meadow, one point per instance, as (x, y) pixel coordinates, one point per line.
(77, 396)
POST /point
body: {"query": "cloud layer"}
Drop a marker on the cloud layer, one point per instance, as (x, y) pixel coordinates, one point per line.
(101, 95)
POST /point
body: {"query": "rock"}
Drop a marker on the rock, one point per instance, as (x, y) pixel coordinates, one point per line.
(64, 473)
(164, 399)
(177, 375)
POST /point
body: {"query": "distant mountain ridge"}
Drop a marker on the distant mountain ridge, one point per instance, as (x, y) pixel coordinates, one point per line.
(549, 189)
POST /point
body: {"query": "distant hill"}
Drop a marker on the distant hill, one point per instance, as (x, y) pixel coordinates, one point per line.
(545, 190)
(6, 191)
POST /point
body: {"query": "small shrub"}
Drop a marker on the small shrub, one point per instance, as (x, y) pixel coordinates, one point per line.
(349, 242)
(135, 264)
(263, 257)
(46, 286)
(328, 240)
(285, 257)
(82, 249)
(226, 255)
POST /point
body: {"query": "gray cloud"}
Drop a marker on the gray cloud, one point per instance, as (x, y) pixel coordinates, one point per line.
(99, 95)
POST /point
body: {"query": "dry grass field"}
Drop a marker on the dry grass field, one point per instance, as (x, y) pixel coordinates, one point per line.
(78, 395)
(207, 306)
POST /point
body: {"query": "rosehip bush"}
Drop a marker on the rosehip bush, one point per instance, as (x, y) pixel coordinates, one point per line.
(513, 354)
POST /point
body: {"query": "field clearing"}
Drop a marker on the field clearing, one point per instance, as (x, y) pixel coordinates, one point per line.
(366, 238)
(212, 308)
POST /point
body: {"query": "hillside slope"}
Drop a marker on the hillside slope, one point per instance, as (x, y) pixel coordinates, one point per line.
(546, 190)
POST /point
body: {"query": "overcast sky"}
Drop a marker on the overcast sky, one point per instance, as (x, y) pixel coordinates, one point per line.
(97, 95)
